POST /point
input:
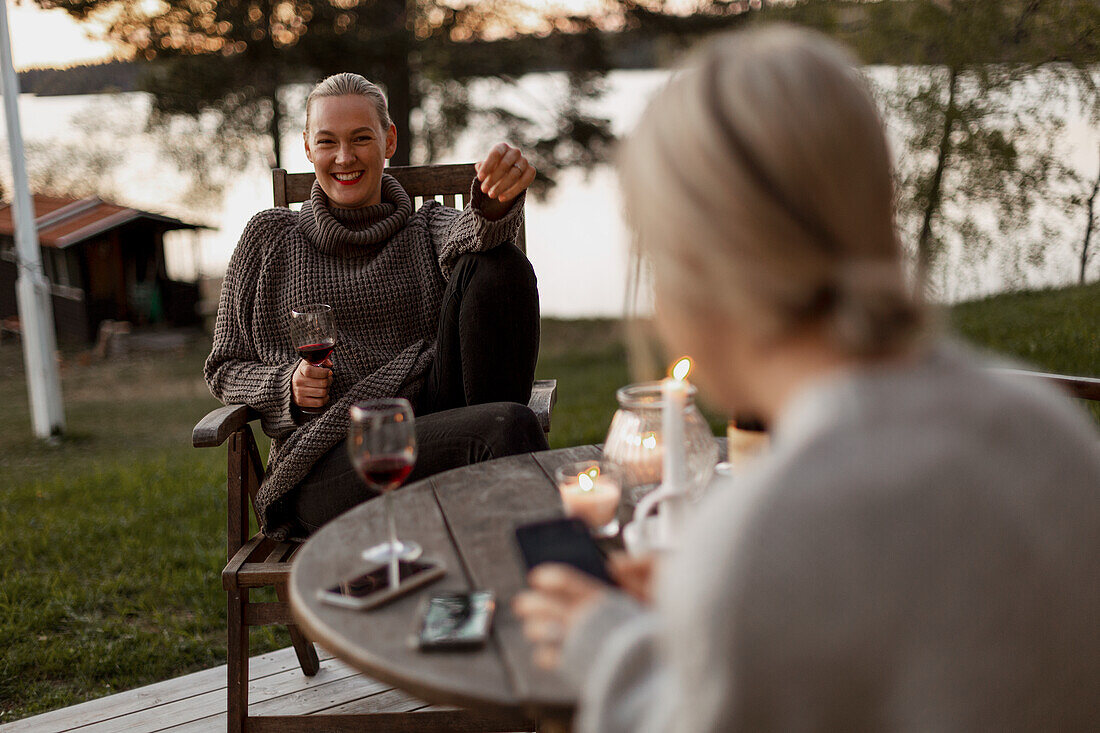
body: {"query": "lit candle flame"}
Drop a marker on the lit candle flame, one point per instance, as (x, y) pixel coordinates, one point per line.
(681, 368)
(650, 441)
(585, 482)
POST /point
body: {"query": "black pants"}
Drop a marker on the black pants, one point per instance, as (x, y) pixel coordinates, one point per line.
(473, 405)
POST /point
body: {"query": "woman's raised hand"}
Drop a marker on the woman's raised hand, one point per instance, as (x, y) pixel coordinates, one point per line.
(558, 596)
(309, 385)
(504, 173)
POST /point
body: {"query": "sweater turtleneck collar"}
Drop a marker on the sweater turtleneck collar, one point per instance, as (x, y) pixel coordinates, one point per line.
(354, 232)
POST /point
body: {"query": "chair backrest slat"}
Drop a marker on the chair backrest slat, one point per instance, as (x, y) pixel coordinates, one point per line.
(422, 182)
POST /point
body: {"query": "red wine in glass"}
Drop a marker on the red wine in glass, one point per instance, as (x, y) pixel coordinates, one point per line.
(385, 473)
(316, 354)
(313, 333)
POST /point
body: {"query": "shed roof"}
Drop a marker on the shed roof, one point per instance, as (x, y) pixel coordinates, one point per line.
(63, 222)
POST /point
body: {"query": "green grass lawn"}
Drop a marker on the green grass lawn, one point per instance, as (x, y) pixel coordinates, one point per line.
(113, 540)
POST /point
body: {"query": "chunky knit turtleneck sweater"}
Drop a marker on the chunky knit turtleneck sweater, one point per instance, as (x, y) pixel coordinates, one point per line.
(382, 268)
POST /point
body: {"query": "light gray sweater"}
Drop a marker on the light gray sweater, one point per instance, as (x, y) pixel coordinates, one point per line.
(920, 552)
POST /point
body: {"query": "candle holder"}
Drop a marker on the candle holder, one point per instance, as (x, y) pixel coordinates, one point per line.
(635, 443)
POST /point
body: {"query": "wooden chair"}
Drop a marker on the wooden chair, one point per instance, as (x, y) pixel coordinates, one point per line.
(258, 562)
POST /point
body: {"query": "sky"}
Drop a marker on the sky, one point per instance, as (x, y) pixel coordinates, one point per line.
(49, 38)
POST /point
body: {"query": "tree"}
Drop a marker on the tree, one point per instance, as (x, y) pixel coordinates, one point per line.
(987, 116)
(1090, 209)
(973, 104)
(234, 56)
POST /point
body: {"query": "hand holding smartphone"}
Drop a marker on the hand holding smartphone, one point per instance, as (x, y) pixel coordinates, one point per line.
(566, 541)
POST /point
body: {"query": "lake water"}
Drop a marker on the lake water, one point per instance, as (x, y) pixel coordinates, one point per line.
(576, 238)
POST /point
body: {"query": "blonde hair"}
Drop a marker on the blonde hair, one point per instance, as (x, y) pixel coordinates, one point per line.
(347, 83)
(757, 184)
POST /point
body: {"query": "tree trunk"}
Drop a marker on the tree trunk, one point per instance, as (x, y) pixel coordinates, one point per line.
(275, 126)
(1090, 206)
(397, 78)
(935, 187)
(399, 95)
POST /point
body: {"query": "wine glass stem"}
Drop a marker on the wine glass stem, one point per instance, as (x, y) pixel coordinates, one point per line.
(394, 578)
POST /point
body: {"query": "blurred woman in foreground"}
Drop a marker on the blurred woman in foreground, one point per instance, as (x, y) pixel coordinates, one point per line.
(919, 550)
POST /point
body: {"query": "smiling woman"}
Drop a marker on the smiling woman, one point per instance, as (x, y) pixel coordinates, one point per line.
(437, 306)
(348, 138)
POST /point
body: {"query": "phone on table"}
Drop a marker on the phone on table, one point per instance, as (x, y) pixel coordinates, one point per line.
(564, 540)
(451, 621)
(371, 588)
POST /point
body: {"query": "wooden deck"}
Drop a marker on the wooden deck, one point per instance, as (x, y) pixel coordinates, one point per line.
(196, 703)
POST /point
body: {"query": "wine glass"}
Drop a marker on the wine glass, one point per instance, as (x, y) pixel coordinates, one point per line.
(382, 446)
(313, 331)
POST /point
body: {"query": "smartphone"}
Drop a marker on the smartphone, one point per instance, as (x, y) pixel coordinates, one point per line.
(456, 621)
(564, 540)
(371, 588)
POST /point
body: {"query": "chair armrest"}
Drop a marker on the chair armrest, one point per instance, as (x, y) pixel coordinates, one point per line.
(243, 555)
(219, 424)
(544, 394)
(1085, 388)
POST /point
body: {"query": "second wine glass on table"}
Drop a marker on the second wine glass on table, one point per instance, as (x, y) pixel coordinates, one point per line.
(382, 447)
(313, 331)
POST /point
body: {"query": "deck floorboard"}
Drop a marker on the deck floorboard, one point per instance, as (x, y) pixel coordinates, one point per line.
(196, 702)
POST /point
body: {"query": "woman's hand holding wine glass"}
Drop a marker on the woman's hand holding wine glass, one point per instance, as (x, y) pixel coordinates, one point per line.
(313, 331)
(309, 385)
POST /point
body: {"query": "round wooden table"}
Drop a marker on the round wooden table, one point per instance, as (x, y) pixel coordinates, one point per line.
(465, 519)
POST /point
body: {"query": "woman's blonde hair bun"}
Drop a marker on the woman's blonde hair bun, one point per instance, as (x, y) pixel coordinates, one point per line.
(758, 183)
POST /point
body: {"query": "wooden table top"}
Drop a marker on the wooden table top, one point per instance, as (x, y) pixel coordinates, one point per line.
(465, 519)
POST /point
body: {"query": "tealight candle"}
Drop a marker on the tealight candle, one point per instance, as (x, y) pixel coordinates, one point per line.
(643, 457)
(591, 491)
(745, 439)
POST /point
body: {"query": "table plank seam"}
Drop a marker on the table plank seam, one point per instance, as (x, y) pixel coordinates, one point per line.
(450, 534)
(472, 582)
(494, 639)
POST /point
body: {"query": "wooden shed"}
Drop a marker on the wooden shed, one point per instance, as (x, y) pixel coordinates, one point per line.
(103, 261)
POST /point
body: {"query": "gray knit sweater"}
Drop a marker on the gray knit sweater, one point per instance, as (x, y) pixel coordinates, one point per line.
(920, 552)
(382, 268)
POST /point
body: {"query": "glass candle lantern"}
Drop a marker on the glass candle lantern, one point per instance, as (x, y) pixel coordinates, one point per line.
(636, 447)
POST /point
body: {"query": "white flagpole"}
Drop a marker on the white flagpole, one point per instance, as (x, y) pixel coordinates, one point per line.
(31, 287)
